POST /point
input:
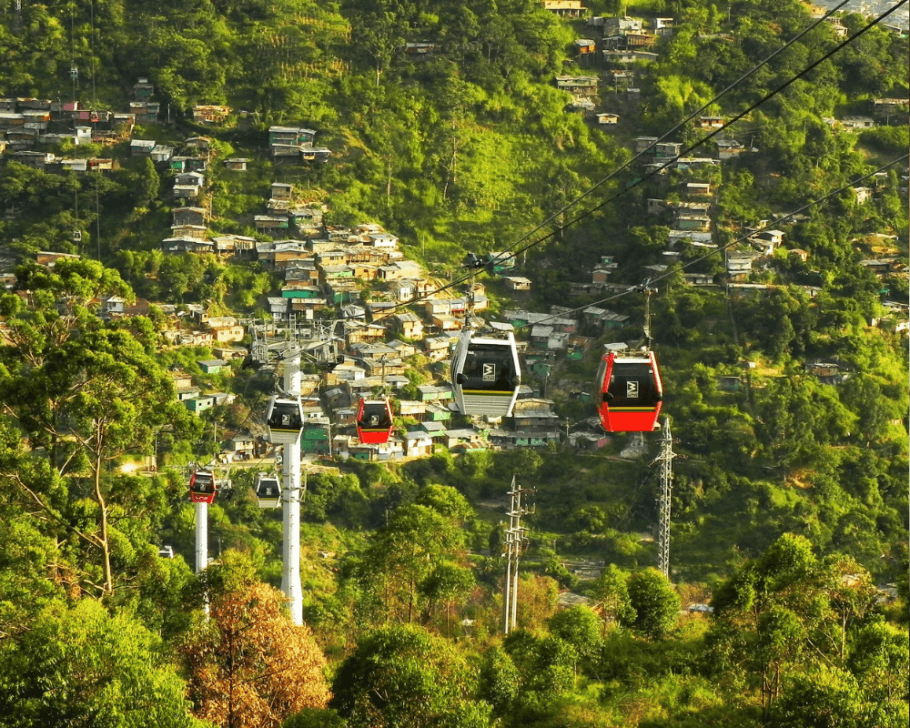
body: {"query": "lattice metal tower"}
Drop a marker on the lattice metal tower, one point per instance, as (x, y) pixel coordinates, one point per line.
(664, 500)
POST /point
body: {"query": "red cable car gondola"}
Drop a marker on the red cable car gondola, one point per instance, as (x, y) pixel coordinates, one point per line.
(202, 486)
(631, 393)
(374, 421)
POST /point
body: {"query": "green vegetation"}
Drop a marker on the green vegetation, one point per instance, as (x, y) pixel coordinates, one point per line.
(790, 492)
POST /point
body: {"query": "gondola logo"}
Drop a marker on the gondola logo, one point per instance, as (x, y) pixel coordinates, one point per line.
(632, 390)
(489, 372)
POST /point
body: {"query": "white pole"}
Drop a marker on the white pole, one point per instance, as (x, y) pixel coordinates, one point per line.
(202, 536)
(290, 575)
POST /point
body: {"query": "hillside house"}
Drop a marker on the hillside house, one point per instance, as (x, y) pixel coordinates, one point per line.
(768, 240)
(189, 231)
(419, 49)
(710, 122)
(565, 8)
(409, 324)
(418, 444)
(298, 290)
(210, 114)
(142, 147)
(888, 107)
(281, 191)
(698, 189)
(517, 284)
(187, 245)
(213, 366)
(578, 85)
(585, 46)
(625, 24)
(236, 164)
(739, 265)
(161, 154)
(857, 122)
(270, 224)
(142, 89)
(729, 148)
(290, 136)
(645, 144)
(227, 333)
(697, 279)
(667, 150)
(663, 26)
(637, 39)
(315, 154)
(863, 194)
(190, 178)
(189, 216)
(628, 56)
(604, 318)
(606, 119)
(235, 245)
(500, 262)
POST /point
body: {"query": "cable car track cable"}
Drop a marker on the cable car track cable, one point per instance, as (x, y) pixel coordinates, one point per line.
(724, 247)
(697, 144)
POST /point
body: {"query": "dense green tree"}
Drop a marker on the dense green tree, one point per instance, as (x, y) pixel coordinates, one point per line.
(611, 589)
(82, 665)
(88, 394)
(654, 603)
(404, 676)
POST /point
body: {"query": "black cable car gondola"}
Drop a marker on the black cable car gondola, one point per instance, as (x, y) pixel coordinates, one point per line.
(268, 491)
(284, 420)
(374, 421)
(486, 375)
(202, 486)
(630, 392)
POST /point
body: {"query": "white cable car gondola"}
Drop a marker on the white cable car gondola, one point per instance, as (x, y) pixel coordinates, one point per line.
(285, 420)
(268, 491)
(486, 374)
(202, 486)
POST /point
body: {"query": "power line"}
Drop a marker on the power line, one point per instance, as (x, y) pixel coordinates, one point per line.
(647, 176)
(714, 133)
(738, 240)
(682, 123)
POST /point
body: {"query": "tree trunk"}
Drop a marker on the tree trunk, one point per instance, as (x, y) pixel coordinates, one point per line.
(104, 542)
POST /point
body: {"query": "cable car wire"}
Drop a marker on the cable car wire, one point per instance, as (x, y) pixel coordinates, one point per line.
(697, 144)
(714, 133)
(722, 248)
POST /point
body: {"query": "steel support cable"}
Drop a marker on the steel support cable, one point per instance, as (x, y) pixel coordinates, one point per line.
(766, 97)
(741, 239)
(625, 165)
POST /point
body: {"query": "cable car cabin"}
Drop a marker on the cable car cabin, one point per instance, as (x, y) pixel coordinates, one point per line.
(374, 421)
(631, 392)
(202, 486)
(485, 375)
(285, 420)
(268, 491)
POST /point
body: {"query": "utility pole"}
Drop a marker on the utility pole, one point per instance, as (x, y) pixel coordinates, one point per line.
(516, 543)
(663, 500)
